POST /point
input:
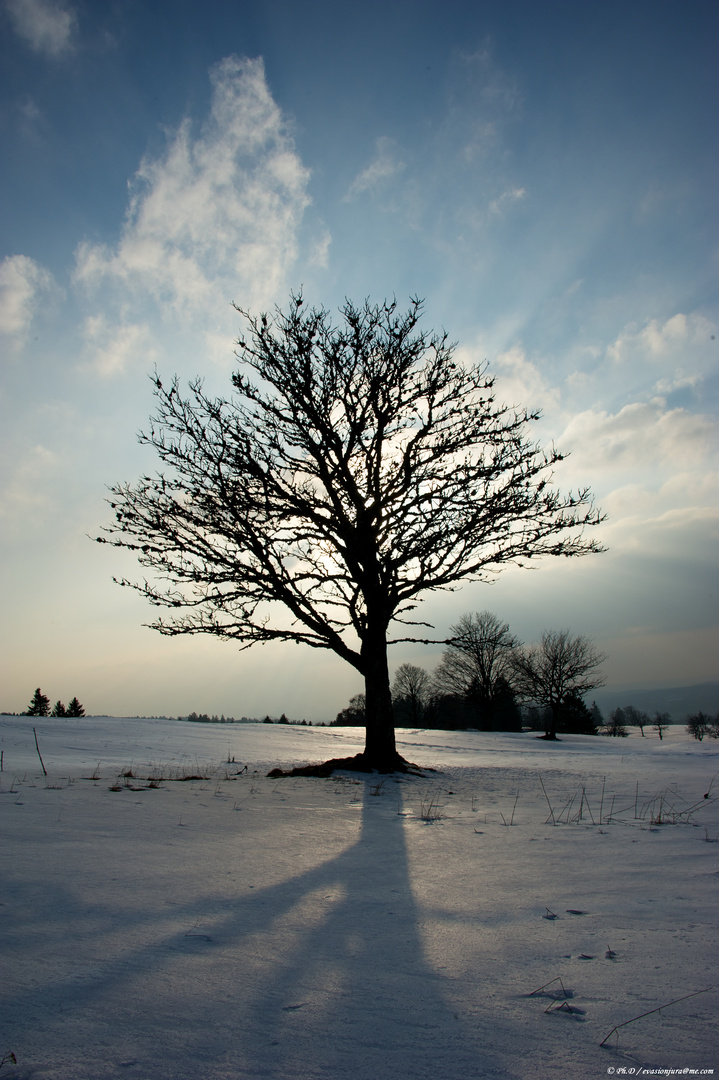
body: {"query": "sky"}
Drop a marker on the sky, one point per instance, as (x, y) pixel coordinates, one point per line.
(543, 175)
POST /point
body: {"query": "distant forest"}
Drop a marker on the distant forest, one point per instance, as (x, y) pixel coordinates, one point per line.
(487, 681)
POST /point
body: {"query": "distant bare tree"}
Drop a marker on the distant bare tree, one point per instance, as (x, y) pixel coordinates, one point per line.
(698, 725)
(477, 664)
(560, 667)
(662, 720)
(410, 691)
(617, 725)
(636, 718)
(356, 467)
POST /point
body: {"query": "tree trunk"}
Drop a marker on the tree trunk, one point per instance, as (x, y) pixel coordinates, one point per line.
(550, 728)
(380, 750)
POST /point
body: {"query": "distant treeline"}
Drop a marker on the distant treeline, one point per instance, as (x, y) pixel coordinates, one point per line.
(40, 706)
(204, 718)
(487, 680)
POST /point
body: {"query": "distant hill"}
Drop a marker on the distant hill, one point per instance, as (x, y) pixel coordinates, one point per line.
(678, 701)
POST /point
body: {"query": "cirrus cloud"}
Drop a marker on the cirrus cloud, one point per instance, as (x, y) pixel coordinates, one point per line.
(216, 218)
(384, 166)
(23, 282)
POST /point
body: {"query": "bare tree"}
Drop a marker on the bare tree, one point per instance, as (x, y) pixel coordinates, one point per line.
(355, 467)
(477, 664)
(559, 668)
(410, 691)
(698, 725)
(662, 720)
(636, 718)
(617, 725)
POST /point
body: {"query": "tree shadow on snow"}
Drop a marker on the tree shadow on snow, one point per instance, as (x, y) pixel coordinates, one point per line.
(322, 976)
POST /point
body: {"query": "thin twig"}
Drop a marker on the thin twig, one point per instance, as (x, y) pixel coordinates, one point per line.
(547, 798)
(658, 1009)
(540, 988)
(38, 752)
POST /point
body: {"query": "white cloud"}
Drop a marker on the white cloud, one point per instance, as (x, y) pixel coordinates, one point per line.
(507, 199)
(520, 382)
(652, 470)
(46, 25)
(654, 339)
(26, 485)
(113, 349)
(642, 435)
(680, 350)
(650, 525)
(383, 166)
(216, 218)
(482, 97)
(22, 285)
(320, 250)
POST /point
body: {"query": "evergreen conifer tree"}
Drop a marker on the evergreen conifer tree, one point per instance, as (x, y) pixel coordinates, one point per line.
(40, 704)
(75, 708)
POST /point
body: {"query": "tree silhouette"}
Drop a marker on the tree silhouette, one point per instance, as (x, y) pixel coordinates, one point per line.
(559, 668)
(477, 666)
(698, 725)
(636, 718)
(662, 720)
(574, 717)
(410, 691)
(353, 715)
(75, 708)
(356, 467)
(40, 704)
(618, 721)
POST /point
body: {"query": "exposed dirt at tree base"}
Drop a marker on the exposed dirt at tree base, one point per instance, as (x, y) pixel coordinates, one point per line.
(358, 763)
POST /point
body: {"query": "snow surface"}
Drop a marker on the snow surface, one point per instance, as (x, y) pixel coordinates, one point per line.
(356, 928)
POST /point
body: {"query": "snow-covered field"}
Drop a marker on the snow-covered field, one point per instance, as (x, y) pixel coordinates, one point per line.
(355, 928)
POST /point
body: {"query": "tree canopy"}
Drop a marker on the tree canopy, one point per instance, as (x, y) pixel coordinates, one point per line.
(561, 667)
(477, 665)
(357, 466)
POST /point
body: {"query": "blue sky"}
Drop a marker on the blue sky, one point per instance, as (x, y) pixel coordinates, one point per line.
(545, 175)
